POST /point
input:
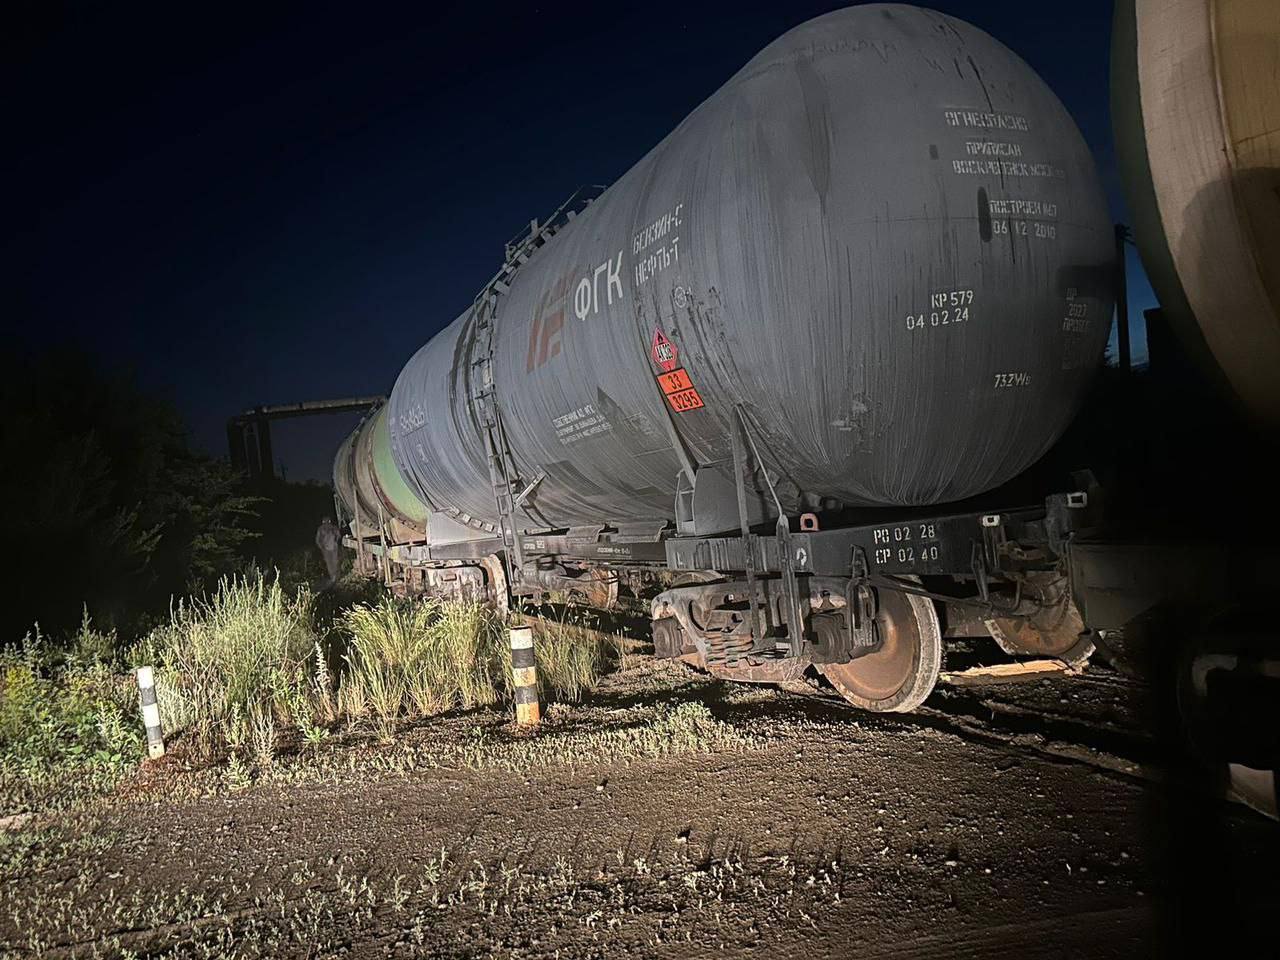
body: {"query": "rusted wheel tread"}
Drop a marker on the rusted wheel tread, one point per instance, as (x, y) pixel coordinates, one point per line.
(928, 663)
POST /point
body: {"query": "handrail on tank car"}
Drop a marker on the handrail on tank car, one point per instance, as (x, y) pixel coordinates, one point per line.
(577, 201)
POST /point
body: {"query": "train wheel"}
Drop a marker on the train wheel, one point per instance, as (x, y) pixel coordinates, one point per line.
(1057, 630)
(600, 588)
(902, 671)
(496, 583)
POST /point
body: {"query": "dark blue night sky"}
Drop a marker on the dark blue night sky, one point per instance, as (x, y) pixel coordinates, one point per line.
(272, 203)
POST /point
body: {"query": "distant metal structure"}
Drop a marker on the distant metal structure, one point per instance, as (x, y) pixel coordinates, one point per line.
(249, 433)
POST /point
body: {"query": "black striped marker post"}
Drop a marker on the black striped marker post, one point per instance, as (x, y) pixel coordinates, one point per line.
(524, 676)
(151, 712)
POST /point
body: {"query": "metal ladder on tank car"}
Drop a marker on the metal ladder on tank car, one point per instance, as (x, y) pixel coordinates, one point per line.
(504, 475)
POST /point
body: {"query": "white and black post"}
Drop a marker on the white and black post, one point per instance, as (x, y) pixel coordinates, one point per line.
(151, 712)
(524, 676)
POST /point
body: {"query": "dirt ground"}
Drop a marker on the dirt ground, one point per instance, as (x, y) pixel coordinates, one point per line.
(668, 815)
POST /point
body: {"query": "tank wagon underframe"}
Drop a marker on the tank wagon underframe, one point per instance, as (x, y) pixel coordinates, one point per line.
(857, 592)
(928, 546)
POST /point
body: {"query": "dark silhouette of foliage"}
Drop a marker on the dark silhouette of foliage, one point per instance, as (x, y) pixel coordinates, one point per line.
(106, 507)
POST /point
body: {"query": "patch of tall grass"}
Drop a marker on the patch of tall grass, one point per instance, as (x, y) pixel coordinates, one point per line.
(420, 657)
(253, 664)
(236, 662)
(571, 658)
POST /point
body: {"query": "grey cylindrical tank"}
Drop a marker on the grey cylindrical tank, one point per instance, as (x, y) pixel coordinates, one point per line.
(1196, 109)
(884, 238)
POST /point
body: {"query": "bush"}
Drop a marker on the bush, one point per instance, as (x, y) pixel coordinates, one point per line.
(65, 734)
(235, 663)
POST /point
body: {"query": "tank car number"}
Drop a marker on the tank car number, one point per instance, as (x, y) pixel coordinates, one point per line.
(908, 543)
(946, 307)
(679, 391)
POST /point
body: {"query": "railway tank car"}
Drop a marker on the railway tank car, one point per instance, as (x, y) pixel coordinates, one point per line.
(871, 274)
(1196, 111)
(1197, 127)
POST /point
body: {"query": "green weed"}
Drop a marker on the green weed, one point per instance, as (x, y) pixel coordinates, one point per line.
(65, 733)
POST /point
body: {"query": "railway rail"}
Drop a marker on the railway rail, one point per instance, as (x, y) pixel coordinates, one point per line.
(1096, 718)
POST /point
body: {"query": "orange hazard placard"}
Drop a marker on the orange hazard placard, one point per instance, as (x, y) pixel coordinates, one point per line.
(684, 401)
(675, 381)
(679, 391)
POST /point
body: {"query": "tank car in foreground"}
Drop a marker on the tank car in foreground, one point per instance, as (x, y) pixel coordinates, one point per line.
(1196, 114)
(870, 275)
